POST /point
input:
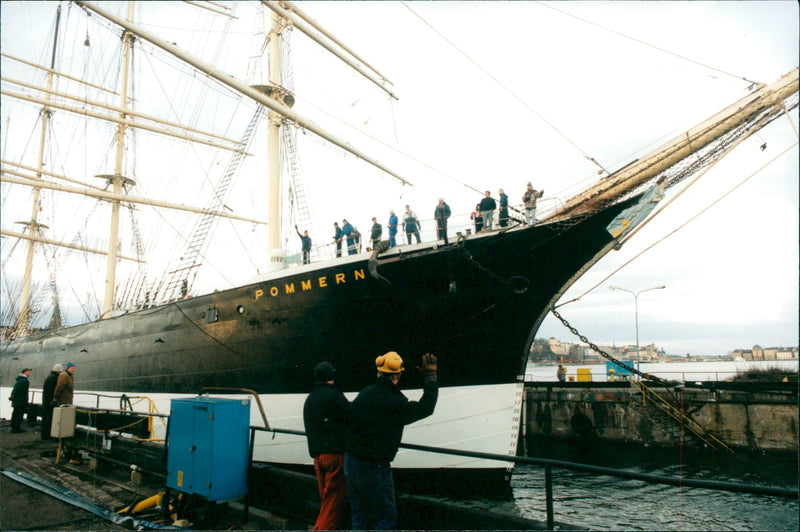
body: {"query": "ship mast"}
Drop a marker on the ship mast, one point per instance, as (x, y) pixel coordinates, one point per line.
(33, 226)
(276, 258)
(117, 180)
(250, 92)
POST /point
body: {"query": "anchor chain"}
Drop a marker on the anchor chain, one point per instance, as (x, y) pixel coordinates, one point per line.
(602, 353)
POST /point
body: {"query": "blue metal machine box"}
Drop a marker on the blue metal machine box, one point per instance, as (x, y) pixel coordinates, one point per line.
(208, 447)
(621, 370)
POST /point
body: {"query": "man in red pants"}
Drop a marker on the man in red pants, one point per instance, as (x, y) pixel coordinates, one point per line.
(326, 418)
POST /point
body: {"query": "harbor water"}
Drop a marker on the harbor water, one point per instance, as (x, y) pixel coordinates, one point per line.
(598, 502)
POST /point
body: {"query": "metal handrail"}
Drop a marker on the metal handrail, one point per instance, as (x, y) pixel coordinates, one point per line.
(548, 464)
(686, 421)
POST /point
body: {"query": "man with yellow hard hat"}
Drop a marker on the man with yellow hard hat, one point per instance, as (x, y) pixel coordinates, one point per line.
(379, 414)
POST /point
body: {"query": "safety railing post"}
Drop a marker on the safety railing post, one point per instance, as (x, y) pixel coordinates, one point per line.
(548, 488)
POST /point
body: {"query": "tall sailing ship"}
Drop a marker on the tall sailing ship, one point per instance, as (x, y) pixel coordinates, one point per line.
(476, 300)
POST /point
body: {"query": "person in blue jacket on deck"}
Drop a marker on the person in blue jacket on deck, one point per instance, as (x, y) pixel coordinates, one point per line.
(392, 228)
(306, 242)
(348, 234)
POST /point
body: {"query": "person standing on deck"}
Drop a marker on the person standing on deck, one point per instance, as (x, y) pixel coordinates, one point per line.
(411, 224)
(379, 414)
(357, 237)
(337, 237)
(529, 199)
(48, 389)
(503, 208)
(306, 241)
(488, 205)
(478, 218)
(441, 214)
(19, 399)
(326, 417)
(392, 228)
(347, 234)
(375, 233)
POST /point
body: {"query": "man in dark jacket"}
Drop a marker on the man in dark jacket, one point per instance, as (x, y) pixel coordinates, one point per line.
(48, 402)
(326, 419)
(488, 205)
(375, 233)
(379, 414)
(441, 214)
(337, 237)
(19, 400)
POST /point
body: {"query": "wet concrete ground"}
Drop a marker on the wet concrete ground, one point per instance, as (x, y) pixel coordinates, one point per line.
(26, 508)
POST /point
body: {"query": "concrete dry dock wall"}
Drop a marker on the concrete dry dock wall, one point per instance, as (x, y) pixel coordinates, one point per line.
(742, 417)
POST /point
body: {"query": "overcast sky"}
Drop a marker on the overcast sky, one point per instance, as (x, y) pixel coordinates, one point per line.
(495, 94)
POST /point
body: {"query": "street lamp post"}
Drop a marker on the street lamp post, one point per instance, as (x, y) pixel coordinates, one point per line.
(636, 311)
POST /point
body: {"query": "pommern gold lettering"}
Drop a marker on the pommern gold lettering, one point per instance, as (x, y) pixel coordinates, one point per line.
(308, 284)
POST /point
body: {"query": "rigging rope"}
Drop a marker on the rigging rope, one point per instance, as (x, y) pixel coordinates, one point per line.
(634, 39)
(508, 90)
(684, 224)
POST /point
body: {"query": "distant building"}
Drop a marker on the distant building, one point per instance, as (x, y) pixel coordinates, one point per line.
(554, 349)
(766, 353)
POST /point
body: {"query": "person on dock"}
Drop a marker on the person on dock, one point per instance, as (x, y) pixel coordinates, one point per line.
(379, 413)
(529, 199)
(561, 373)
(392, 228)
(65, 387)
(48, 389)
(488, 205)
(306, 242)
(375, 233)
(337, 238)
(411, 224)
(441, 214)
(19, 399)
(326, 418)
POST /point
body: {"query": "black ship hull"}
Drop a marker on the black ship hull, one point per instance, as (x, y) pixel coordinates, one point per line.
(475, 302)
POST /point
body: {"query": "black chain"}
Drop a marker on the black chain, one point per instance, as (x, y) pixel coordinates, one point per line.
(602, 353)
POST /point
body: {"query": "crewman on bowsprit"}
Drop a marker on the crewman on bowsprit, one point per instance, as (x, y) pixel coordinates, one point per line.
(379, 414)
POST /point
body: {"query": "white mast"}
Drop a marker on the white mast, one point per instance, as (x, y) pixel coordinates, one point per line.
(276, 257)
(116, 179)
(32, 226)
(250, 92)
